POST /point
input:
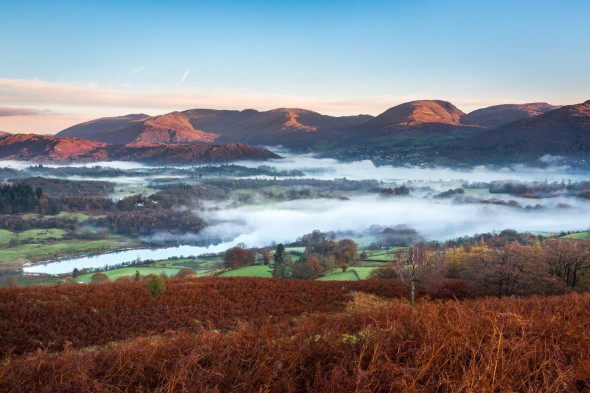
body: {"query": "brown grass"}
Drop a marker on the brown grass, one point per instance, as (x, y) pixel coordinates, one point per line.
(366, 302)
(488, 345)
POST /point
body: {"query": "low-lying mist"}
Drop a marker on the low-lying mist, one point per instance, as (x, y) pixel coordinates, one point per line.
(434, 219)
(263, 222)
(329, 168)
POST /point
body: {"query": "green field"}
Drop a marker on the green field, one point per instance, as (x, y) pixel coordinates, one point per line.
(130, 271)
(295, 249)
(372, 263)
(351, 274)
(363, 242)
(348, 275)
(363, 272)
(32, 235)
(382, 255)
(5, 236)
(68, 215)
(16, 256)
(201, 266)
(249, 271)
(577, 235)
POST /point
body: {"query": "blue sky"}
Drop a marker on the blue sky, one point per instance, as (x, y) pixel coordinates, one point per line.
(67, 61)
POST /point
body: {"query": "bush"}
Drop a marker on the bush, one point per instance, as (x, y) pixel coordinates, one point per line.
(155, 285)
(99, 278)
(384, 272)
(186, 273)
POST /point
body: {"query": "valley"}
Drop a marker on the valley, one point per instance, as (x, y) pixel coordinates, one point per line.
(294, 196)
(115, 217)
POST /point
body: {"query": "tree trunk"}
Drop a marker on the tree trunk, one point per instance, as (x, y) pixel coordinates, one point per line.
(412, 291)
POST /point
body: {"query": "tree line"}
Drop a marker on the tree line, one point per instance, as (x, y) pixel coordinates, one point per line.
(505, 264)
(496, 268)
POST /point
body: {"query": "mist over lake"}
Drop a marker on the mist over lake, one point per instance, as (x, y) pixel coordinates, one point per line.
(255, 220)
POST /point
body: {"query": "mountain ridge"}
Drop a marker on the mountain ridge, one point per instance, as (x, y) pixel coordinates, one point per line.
(45, 148)
(417, 131)
(564, 131)
(499, 115)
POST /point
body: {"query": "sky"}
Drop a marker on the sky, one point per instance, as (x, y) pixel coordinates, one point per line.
(65, 62)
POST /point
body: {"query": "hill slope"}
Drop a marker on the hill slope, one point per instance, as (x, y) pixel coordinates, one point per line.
(499, 115)
(190, 153)
(33, 147)
(278, 126)
(101, 130)
(408, 133)
(415, 114)
(44, 148)
(416, 132)
(564, 131)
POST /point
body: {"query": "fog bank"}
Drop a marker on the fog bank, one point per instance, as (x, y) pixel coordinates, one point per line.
(434, 219)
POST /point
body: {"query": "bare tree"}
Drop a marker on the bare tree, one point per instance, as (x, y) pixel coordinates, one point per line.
(513, 269)
(237, 257)
(418, 263)
(569, 260)
(266, 254)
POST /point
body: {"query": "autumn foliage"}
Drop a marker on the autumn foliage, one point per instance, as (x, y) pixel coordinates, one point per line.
(245, 340)
(84, 315)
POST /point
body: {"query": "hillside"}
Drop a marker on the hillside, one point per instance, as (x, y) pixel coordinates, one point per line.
(103, 129)
(44, 148)
(561, 132)
(189, 153)
(257, 335)
(171, 128)
(410, 133)
(499, 115)
(414, 123)
(278, 126)
(33, 147)
(417, 132)
(415, 114)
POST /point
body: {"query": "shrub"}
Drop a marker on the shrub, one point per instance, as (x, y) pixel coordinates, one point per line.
(186, 273)
(155, 285)
(99, 278)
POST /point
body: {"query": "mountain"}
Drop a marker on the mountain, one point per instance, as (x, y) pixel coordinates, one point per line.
(417, 132)
(499, 115)
(190, 153)
(168, 129)
(295, 128)
(4, 133)
(564, 131)
(416, 114)
(44, 148)
(412, 132)
(33, 147)
(103, 129)
(279, 126)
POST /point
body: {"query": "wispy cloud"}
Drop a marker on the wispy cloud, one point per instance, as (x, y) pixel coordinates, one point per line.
(184, 76)
(6, 112)
(92, 95)
(136, 70)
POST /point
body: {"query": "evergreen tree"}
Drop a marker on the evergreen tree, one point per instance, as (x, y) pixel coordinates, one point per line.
(280, 262)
